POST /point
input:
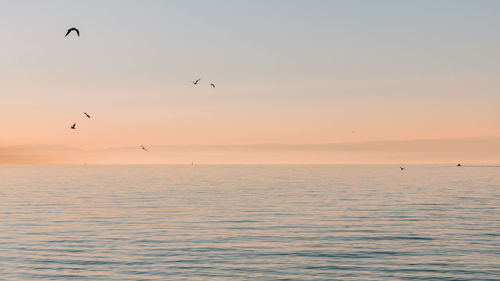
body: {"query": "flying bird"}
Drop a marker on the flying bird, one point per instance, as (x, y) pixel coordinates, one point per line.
(402, 168)
(213, 85)
(86, 114)
(73, 29)
(196, 82)
(143, 148)
(73, 126)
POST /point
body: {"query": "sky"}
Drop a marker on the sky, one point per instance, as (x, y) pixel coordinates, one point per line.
(289, 72)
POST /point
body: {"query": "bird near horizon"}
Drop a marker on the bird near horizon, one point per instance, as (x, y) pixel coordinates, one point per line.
(143, 148)
(213, 85)
(73, 126)
(73, 29)
(402, 168)
(196, 82)
(86, 114)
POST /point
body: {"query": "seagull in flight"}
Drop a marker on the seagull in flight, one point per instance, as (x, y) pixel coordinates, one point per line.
(402, 168)
(73, 126)
(143, 148)
(73, 29)
(213, 85)
(86, 114)
(196, 82)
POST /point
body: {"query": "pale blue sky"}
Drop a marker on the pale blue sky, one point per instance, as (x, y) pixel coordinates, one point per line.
(262, 38)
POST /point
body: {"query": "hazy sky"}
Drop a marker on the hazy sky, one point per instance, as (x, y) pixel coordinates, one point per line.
(286, 71)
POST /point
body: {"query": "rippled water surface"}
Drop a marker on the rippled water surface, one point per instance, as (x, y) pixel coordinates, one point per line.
(249, 223)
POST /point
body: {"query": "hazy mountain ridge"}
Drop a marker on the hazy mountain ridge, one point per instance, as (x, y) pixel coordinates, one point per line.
(472, 150)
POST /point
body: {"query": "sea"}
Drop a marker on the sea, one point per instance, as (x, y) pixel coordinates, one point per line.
(257, 222)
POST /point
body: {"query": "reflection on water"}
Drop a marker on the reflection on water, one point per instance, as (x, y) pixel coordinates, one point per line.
(249, 222)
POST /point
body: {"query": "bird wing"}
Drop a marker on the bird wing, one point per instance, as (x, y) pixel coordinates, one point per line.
(77, 32)
(212, 85)
(69, 30)
(197, 80)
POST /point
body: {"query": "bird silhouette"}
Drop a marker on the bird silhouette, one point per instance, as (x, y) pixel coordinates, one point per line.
(196, 82)
(402, 168)
(73, 126)
(86, 114)
(143, 148)
(73, 29)
(213, 85)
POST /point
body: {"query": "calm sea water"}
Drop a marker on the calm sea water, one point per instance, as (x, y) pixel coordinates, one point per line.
(249, 223)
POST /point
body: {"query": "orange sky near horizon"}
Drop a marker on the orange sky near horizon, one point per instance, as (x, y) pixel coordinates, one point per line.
(217, 120)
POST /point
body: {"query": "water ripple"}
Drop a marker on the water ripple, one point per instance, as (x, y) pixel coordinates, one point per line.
(248, 223)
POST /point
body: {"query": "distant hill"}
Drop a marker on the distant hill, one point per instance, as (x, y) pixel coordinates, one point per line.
(471, 150)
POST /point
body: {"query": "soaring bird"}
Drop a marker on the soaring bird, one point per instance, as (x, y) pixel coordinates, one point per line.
(86, 114)
(73, 126)
(402, 168)
(196, 82)
(71, 29)
(143, 148)
(213, 85)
